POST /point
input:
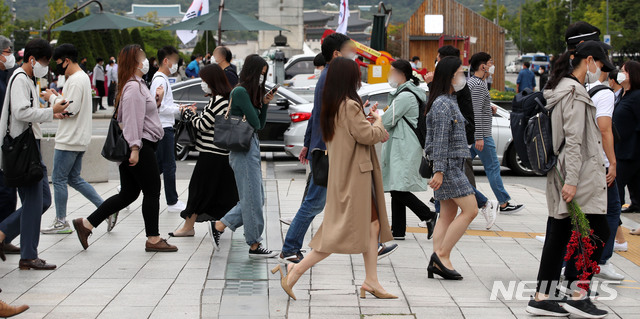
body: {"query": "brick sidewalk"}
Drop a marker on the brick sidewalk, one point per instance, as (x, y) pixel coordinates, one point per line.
(115, 278)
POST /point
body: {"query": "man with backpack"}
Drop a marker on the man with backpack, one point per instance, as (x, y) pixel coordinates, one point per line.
(484, 146)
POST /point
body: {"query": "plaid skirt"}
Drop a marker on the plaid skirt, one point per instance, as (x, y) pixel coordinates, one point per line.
(454, 184)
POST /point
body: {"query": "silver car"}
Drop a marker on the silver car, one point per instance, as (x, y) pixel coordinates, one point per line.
(300, 114)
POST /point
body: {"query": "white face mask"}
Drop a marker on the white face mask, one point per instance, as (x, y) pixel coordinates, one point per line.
(205, 87)
(492, 69)
(392, 82)
(39, 70)
(145, 66)
(317, 72)
(174, 68)
(351, 56)
(434, 67)
(459, 83)
(621, 77)
(419, 65)
(592, 77)
(10, 61)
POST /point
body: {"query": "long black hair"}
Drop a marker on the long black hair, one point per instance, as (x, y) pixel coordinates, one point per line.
(563, 67)
(405, 67)
(342, 82)
(442, 78)
(250, 78)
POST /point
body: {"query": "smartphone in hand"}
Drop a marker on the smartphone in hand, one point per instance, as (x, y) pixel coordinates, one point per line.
(274, 89)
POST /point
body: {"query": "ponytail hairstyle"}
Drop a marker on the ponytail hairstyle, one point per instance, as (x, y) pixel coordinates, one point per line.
(563, 67)
(405, 68)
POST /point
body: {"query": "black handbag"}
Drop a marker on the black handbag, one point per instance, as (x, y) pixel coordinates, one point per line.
(21, 160)
(320, 167)
(115, 148)
(426, 166)
(232, 132)
(185, 133)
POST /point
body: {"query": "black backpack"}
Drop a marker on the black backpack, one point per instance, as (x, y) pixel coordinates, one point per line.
(421, 130)
(531, 130)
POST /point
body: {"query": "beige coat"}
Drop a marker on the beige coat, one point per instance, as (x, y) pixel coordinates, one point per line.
(353, 166)
(581, 160)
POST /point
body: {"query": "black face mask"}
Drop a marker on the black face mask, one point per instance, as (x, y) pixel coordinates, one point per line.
(60, 70)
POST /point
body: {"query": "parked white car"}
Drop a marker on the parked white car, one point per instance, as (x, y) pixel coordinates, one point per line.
(513, 67)
(300, 114)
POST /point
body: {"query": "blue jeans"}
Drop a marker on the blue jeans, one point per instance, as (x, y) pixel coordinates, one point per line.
(613, 219)
(480, 198)
(25, 221)
(67, 166)
(312, 205)
(166, 157)
(247, 168)
(489, 159)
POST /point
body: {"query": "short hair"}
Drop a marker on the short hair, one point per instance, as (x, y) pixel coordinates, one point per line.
(331, 43)
(227, 53)
(98, 60)
(198, 55)
(449, 50)
(5, 43)
(479, 59)
(526, 64)
(319, 60)
(66, 51)
(415, 58)
(543, 67)
(38, 49)
(633, 69)
(111, 62)
(166, 51)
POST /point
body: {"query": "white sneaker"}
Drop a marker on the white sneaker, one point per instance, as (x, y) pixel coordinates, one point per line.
(620, 247)
(490, 212)
(57, 227)
(541, 238)
(422, 224)
(608, 272)
(286, 220)
(432, 204)
(178, 207)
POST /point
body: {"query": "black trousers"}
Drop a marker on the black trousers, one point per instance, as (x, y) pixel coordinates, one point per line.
(399, 203)
(8, 199)
(111, 96)
(555, 245)
(100, 89)
(628, 174)
(143, 177)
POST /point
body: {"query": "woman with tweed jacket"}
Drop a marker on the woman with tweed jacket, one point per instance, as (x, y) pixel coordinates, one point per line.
(446, 146)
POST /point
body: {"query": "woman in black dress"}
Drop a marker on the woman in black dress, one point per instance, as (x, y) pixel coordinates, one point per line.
(212, 189)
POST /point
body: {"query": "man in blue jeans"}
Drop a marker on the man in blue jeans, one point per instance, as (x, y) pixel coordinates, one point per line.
(334, 45)
(485, 147)
(72, 137)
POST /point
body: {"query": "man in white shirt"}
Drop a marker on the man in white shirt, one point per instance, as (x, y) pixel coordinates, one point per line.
(112, 80)
(72, 137)
(98, 80)
(169, 111)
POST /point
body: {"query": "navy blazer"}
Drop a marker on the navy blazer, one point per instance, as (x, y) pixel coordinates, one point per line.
(313, 135)
(626, 117)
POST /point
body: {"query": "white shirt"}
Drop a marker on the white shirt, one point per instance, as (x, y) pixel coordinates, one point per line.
(98, 74)
(168, 110)
(74, 132)
(604, 102)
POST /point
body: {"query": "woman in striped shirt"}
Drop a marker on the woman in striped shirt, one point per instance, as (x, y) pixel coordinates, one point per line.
(212, 189)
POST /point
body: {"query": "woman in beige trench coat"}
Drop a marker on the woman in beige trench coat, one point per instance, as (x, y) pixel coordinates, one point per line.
(355, 217)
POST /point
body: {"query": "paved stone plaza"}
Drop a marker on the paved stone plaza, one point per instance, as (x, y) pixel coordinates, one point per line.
(116, 278)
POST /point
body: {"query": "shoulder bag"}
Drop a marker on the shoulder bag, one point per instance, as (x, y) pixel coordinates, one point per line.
(115, 148)
(21, 160)
(320, 167)
(233, 133)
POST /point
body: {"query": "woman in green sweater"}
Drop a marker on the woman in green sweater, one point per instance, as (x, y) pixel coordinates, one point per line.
(251, 100)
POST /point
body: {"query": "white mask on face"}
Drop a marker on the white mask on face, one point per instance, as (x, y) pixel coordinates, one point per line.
(317, 72)
(205, 87)
(492, 69)
(592, 77)
(621, 77)
(392, 82)
(434, 67)
(39, 70)
(351, 56)
(459, 83)
(174, 68)
(145, 66)
(419, 65)
(10, 61)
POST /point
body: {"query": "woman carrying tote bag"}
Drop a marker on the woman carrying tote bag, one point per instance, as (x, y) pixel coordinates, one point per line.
(249, 100)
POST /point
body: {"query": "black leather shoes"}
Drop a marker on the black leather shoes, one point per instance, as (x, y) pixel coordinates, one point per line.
(436, 266)
(11, 249)
(37, 264)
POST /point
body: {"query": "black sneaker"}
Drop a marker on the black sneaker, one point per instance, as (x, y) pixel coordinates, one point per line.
(510, 208)
(262, 252)
(546, 308)
(631, 209)
(386, 250)
(215, 235)
(584, 308)
(290, 259)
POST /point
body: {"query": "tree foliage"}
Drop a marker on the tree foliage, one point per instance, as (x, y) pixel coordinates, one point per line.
(201, 46)
(125, 38)
(136, 37)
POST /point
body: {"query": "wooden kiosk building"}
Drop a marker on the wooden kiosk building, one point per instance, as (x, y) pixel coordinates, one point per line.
(461, 27)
